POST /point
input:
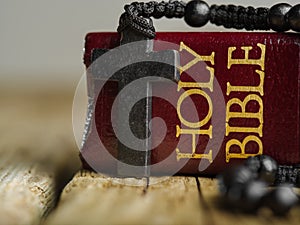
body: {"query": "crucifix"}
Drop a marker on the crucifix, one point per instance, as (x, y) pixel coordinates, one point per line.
(135, 161)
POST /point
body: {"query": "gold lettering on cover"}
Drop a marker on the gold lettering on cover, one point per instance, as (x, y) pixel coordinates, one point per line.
(246, 60)
(243, 113)
(259, 88)
(209, 85)
(197, 58)
(186, 94)
(257, 130)
(194, 88)
(193, 133)
(207, 156)
(242, 146)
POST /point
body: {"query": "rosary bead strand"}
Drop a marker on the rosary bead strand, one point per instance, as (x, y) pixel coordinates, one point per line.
(245, 186)
(280, 17)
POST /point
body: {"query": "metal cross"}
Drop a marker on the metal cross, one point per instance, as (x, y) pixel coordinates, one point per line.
(141, 113)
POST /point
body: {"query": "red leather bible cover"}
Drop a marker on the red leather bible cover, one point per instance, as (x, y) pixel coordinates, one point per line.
(259, 77)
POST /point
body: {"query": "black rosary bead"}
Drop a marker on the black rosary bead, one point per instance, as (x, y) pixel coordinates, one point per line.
(247, 197)
(196, 13)
(252, 195)
(281, 199)
(234, 177)
(245, 187)
(268, 169)
(265, 167)
(278, 17)
(240, 189)
(253, 163)
(293, 18)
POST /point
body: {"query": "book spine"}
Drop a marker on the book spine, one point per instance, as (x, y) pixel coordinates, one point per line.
(244, 90)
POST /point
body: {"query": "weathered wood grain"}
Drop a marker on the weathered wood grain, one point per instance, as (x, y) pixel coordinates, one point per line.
(27, 192)
(94, 199)
(37, 154)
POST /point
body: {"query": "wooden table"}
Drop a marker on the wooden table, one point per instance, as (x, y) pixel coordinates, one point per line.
(39, 157)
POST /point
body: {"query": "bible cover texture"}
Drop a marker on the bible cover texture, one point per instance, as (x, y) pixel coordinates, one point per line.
(246, 95)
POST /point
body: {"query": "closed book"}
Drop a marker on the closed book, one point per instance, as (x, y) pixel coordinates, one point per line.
(237, 96)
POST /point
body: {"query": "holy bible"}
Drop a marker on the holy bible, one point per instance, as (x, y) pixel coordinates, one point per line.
(237, 95)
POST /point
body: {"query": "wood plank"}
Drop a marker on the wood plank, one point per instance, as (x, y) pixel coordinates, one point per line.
(92, 198)
(211, 198)
(27, 192)
(37, 154)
